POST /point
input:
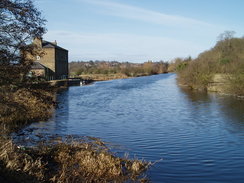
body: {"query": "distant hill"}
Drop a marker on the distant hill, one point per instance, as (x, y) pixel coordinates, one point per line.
(125, 68)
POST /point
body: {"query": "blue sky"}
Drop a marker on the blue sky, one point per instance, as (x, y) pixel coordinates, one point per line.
(139, 30)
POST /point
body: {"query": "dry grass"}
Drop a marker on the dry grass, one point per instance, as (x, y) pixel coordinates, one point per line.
(86, 160)
(24, 105)
(103, 77)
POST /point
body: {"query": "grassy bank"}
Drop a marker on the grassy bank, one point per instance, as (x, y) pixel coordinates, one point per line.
(226, 58)
(57, 160)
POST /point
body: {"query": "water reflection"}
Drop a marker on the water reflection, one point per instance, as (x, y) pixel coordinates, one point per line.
(229, 106)
(195, 95)
(62, 113)
(234, 108)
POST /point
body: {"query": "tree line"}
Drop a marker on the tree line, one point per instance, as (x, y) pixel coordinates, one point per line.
(114, 67)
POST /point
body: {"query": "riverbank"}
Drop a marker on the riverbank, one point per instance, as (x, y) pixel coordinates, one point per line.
(105, 77)
(68, 160)
(21, 106)
(219, 69)
(55, 160)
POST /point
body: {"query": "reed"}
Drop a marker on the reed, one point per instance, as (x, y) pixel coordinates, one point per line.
(84, 160)
(21, 106)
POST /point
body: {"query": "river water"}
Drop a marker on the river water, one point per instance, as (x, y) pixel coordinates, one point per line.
(198, 137)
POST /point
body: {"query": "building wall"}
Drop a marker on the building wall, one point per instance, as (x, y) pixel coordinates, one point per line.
(48, 58)
(61, 60)
(56, 59)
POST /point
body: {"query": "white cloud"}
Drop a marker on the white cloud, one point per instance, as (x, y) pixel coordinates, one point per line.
(122, 47)
(141, 14)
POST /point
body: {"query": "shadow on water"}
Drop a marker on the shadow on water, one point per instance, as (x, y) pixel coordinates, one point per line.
(196, 96)
(61, 114)
(234, 110)
(231, 107)
(63, 109)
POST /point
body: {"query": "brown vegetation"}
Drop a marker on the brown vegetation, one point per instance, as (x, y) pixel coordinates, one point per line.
(20, 23)
(86, 160)
(102, 77)
(21, 106)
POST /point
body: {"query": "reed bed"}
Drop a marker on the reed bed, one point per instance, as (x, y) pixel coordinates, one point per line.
(67, 161)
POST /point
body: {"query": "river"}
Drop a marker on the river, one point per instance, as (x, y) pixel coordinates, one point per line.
(198, 137)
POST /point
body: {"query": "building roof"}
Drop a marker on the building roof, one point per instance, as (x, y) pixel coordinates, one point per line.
(37, 65)
(47, 44)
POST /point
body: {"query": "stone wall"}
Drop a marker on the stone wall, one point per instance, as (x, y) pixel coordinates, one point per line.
(48, 59)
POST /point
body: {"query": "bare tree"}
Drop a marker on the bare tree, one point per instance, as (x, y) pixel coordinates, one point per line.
(227, 35)
(20, 23)
(224, 44)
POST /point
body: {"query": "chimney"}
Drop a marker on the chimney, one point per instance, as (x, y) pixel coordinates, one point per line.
(55, 42)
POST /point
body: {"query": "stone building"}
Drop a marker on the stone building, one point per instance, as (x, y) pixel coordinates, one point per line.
(53, 63)
(39, 70)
